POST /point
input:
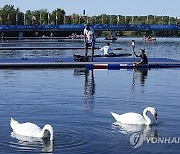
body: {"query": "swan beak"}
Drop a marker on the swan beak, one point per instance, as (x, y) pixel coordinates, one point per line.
(155, 116)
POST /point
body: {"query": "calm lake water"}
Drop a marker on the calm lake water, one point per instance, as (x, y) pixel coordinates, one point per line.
(78, 103)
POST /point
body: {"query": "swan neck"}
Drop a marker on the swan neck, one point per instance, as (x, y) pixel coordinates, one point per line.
(47, 128)
(148, 120)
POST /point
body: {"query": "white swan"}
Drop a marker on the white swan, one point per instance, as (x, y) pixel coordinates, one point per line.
(135, 118)
(31, 130)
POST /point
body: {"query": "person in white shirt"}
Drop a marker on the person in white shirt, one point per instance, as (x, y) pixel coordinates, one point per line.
(89, 39)
(107, 49)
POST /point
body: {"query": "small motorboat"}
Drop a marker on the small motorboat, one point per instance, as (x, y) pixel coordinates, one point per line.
(149, 39)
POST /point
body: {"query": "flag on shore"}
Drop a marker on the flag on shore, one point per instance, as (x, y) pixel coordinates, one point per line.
(102, 19)
(87, 20)
(110, 19)
(33, 18)
(8, 17)
(64, 18)
(16, 18)
(118, 19)
(56, 18)
(48, 18)
(24, 19)
(40, 18)
(73, 18)
(162, 20)
(95, 20)
(169, 22)
(0, 19)
(132, 20)
(147, 19)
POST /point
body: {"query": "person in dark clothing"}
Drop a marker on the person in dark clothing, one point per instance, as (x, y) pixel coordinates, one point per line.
(144, 59)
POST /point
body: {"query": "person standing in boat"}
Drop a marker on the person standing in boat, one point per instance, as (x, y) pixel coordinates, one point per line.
(107, 49)
(144, 59)
(89, 39)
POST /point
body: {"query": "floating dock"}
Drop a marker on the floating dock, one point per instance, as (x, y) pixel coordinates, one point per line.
(45, 48)
(40, 48)
(98, 63)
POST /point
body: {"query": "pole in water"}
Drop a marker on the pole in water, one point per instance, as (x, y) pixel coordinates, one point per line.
(133, 46)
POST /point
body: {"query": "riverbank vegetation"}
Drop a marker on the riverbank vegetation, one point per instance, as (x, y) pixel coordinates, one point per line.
(9, 15)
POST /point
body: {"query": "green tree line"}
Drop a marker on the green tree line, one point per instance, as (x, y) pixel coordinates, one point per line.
(9, 15)
(13, 16)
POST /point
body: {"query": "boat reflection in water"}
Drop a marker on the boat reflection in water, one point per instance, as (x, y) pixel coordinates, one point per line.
(143, 74)
(89, 87)
(138, 73)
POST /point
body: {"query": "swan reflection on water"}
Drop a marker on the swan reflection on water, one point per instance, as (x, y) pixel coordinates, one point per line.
(127, 129)
(26, 143)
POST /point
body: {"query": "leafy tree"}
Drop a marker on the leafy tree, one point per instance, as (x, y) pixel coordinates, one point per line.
(58, 16)
(8, 13)
(13, 16)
